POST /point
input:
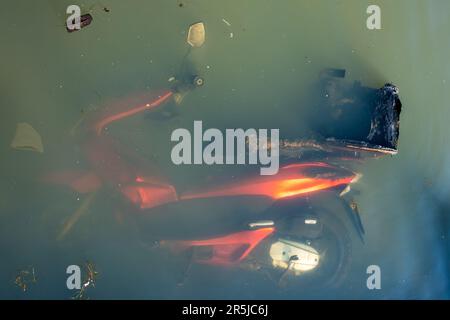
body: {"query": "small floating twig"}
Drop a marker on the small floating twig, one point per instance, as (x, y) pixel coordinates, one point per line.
(226, 22)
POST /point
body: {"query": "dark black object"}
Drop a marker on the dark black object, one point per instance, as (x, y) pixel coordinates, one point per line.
(385, 121)
(354, 118)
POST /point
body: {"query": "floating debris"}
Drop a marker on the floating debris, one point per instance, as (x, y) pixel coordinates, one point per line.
(24, 278)
(27, 138)
(196, 34)
(226, 22)
(171, 79)
(91, 275)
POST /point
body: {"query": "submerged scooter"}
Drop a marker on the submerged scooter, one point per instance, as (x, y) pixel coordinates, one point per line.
(310, 167)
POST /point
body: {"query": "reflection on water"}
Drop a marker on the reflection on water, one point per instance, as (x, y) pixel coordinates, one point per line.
(259, 63)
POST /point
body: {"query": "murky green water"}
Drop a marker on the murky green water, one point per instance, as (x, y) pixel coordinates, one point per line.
(259, 77)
